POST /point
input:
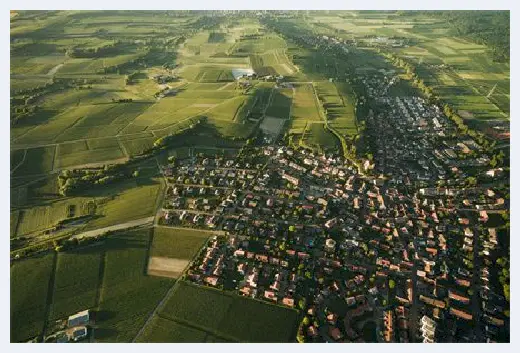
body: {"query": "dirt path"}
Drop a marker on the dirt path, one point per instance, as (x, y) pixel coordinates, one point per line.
(54, 70)
(130, 224)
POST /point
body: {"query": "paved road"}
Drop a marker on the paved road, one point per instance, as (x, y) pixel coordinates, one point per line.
(130, 224)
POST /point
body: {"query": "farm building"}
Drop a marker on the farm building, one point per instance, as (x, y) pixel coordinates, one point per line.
(80, 319)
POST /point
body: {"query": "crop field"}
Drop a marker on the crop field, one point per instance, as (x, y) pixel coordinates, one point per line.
(137, 146)
(337, 101)
(172, 250)
(76, 281)
(128, 296)
(161, 330)
(175, 243)
(134, 200)
(280, 106)
(29, 290)
(41, 217)
(38, 160)
(274, 62)
(304, 109)
(76, 153)
(316, 136)
(228, 316)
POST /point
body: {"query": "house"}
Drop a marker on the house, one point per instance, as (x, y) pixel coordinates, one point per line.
(312, 331)
(461, 314)
(82, 318)
(335, 333)
(288, 301)
(77, 333)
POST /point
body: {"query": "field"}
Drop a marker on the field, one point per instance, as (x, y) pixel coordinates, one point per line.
(226, 316)
(127, 295)
(281, 104)
(172, 250)
(76, 282)
(304, 109)
(461, 72)
(337, 101)
(29, 293)
(108, 278)
(177, 243)
(317, 137)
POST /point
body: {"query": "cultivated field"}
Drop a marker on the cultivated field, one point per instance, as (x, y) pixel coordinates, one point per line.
(172, 250)
(225, 316)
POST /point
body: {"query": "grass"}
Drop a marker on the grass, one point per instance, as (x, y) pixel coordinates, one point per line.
(175, 243)
(29, 290)
(229, 316)
(128, 296)
(76, 282)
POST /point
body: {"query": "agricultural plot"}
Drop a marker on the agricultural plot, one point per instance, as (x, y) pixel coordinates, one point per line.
(229, 316)
(129, 201)
(338, 104)
(304, 109)
(88, 151)
(273, 62)
(29, 291)
(161, 330)
(280, 106)
(207, 73)
(137, 146)
(128, 296)
(76, 281)
(39, 160)
(42, 217)
(228, 110)
(175, 243)
(172, 250)
(317, 137)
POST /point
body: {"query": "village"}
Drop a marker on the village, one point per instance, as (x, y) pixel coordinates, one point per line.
(399, 250)
(311, 232)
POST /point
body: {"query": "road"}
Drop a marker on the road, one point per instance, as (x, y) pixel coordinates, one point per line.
(129, 224)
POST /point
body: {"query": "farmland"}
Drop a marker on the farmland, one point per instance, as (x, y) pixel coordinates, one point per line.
(229, 317)
(176, 243)
(29, 295)
(101, 100)
(127, 295)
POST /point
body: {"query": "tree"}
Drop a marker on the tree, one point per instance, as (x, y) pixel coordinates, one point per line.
(391, 284)
(135, 174)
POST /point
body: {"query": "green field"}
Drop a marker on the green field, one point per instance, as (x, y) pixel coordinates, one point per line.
(228, 316)
(175, 243)
(76, 281)
(128, 296)
(161, 330)
(304, 109)
(29, 291)
(39, 160)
